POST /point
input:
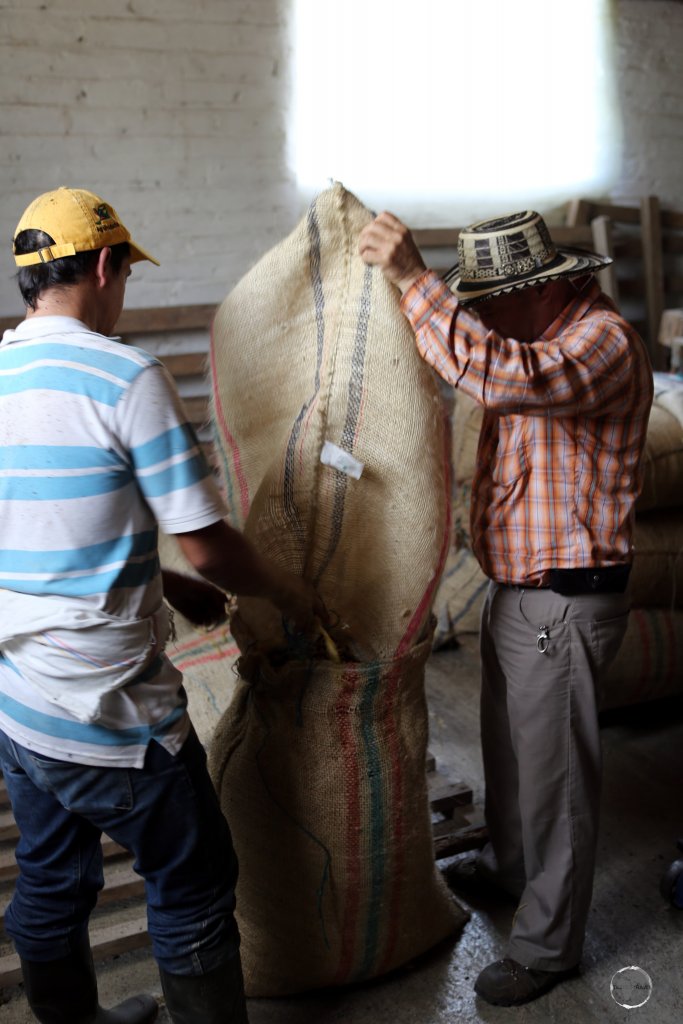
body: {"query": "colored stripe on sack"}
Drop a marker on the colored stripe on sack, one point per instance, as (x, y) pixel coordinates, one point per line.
(644, 645)
(352, 822)
(420, 612)
(396, 819)
(396, 783)
(229, 439)
(377, 818)
(290, 509)
(353, 407)
(671, 637)
(204, 648)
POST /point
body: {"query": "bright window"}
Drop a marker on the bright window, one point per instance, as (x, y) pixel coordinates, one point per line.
(443, 103)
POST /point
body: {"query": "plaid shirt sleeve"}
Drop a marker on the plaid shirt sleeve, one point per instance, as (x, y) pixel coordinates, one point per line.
(583, 367)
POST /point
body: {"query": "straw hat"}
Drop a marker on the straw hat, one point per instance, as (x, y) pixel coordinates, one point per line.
(510, 253)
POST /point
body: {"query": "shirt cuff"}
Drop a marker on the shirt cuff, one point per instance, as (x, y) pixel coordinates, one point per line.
(428, 290)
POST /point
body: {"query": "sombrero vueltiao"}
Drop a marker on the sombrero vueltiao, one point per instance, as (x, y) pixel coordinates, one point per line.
(513, 252)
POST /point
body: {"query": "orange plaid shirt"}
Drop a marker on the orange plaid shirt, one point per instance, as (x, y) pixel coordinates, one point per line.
(563, 432)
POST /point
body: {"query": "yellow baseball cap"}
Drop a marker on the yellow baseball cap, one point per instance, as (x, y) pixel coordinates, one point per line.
(78, 221)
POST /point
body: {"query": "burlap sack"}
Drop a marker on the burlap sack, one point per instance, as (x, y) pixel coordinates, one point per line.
(657, 575)
(320, 770)
(649, 663)
(460, 597)
(466, 426)
(311, 347)
(662, 461)
(662, 458)
(321, 767)
(466, 420)
(205, 657)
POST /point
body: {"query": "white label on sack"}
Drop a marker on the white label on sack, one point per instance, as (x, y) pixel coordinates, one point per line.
(333, 455)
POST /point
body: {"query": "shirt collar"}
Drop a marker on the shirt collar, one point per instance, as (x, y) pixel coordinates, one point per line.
(42, 326)
(574, 311)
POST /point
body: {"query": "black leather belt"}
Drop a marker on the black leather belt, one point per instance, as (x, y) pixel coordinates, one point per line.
(610, 579)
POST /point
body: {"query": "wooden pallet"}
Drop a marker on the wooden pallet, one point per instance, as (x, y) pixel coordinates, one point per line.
(454, 832)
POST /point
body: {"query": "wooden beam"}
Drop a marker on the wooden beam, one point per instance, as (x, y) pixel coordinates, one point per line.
(452, 837)
(601, 228)
(105, 943)
(438, 238)
(166, 318)
(122, 885)
(651, 228)
(616, 212)
(150, 320)
(578, 212)
(186, 364)
(197, 410)
(9, 870)
(8, 828)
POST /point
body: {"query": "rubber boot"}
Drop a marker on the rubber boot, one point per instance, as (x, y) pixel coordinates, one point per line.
(64, 991)
(213, 998)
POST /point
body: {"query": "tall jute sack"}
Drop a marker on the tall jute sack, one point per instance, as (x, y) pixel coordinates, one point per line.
(321, 774)
(649, 663)
(320, 767)
(311, 347)
(657, 575)
(662, 461)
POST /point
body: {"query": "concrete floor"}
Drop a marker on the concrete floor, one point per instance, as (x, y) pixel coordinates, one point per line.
(629, 923)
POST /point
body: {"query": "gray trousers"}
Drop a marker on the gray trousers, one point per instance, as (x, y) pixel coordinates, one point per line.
(542, 657)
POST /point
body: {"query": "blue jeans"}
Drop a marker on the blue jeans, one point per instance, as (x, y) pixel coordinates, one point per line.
(166, 813)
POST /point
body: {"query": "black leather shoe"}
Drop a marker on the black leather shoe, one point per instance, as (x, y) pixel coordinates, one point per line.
(507, 983)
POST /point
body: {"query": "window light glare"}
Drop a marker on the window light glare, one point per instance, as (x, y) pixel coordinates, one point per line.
(451, 98)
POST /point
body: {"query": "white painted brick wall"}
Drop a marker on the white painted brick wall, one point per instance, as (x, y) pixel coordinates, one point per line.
(173, 110)
(176, 112)
(650, 61)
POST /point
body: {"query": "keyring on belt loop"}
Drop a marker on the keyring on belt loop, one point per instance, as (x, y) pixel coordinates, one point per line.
(542, 632)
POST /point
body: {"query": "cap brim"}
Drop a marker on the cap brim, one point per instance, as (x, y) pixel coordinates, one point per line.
(137, 253)
(571, 263)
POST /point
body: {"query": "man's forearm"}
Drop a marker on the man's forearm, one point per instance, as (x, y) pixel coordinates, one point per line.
(227, 559)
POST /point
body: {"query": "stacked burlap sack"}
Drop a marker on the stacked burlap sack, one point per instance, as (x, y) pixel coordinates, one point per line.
(206, 657)
(650, 661)
(333, 449)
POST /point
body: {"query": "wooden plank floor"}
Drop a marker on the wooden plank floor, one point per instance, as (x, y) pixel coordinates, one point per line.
(454, 832)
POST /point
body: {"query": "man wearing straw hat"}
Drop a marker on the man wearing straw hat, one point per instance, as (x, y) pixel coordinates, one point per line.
(523, 328)
(95, 454)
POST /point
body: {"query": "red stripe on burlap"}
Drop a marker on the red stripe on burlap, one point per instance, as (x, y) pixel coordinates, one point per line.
(397, 816)
(667, 619)
(645, 665)
(420, 612)
(214, 637)
(230, 440)
(351, 763)
(204, 659)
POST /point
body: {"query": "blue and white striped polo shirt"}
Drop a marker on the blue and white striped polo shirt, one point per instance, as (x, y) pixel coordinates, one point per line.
(95, 454)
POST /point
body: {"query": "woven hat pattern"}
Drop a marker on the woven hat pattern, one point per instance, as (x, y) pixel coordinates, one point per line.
(511, 252)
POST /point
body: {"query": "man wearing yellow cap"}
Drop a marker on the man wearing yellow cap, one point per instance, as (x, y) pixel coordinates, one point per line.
(566, 387)
(95, 455)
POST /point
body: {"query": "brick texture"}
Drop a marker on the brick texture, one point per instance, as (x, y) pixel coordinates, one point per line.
(177, 113)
